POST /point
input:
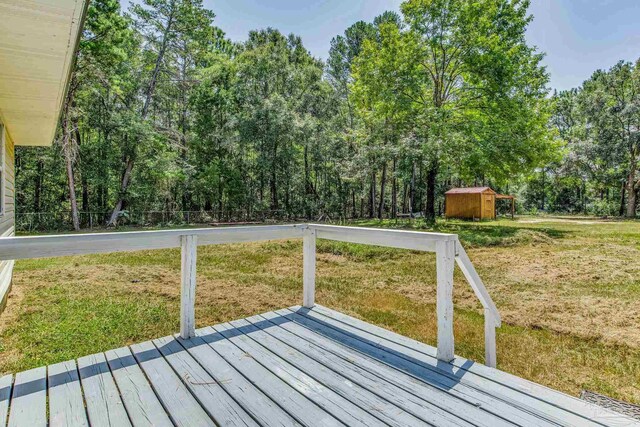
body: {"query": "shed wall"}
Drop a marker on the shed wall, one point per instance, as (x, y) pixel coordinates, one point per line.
(471, 205)
(465, 205)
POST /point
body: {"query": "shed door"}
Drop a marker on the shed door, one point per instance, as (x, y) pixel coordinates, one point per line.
(488, 206)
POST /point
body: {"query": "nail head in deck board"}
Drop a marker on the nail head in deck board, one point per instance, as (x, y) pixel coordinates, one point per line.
(29, 399)
(141, 402)
(66, 405)
(181, 406)
(214, 399)
(298, 406)
(542, 399)
(104, 405)
(6, 384)
(419, 396)
(255, 342)
(254, 401)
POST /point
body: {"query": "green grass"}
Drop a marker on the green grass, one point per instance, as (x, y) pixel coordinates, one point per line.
(567, 289)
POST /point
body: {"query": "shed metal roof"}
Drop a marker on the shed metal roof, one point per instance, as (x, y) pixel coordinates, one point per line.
(470, 190)
(38, 40)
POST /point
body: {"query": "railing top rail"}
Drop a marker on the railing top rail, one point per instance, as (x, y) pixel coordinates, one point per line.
(402, 239)
(25, 247)
(421, 234)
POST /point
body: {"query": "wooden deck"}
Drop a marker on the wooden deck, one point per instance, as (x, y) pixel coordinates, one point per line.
(290, 367)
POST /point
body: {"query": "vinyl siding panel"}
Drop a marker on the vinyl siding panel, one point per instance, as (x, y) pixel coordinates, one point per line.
(7, 218)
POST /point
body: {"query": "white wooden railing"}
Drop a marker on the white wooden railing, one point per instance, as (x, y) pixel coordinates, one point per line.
(447, 248)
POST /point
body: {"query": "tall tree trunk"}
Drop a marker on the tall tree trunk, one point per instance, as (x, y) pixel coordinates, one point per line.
(362, 201)
(220, 195)
(131, 157)
(353, 202)
(308, 185)
(623, 202)
(84, 182)
(631, 191)
(273, 183)
(85, 194)
(394, 192)
(37, 191)
(69, 150)
(383, 184)
(372, 195)
(544, 190)
(412, 189)
(124, 184)
(405, 197)
(273, 188)
(432, 175)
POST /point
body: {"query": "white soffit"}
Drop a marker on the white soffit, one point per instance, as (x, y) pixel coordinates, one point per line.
(38, 40)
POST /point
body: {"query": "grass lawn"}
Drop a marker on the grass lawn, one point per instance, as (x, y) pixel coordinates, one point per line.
(568, 290)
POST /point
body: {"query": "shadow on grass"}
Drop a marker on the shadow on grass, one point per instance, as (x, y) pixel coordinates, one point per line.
(479, 235)
(472, 234)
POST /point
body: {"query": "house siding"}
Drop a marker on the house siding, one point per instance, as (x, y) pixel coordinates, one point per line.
(7, 218)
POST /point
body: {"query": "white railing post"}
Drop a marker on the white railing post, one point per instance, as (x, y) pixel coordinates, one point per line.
(490, 357)
(189, 244)
(309, 268)
(492, 318)
(445, 262)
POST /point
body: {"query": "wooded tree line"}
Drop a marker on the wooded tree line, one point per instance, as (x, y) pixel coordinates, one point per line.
(164, 113)
(599, 124)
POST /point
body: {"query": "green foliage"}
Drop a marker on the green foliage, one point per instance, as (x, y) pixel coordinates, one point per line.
(598, 126)
(169, 116)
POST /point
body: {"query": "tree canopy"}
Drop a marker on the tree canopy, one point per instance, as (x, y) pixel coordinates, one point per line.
(168, 120)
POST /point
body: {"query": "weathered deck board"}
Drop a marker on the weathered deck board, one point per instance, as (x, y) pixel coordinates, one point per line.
(254, 401)
(316, 391)
(66, 405)
(6, 384)
(182, 407)
(298, 406)
(397, 381)
(355, 367)
(218, 404)
(140, 401)
(29, 399)
(432, 375)
(390, 408)
(104, 405)
(540, 398)
(284, 368)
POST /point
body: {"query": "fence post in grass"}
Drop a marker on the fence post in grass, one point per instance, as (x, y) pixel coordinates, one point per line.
(309, 268)
(445, 261)
(189, 246)
(490, 357)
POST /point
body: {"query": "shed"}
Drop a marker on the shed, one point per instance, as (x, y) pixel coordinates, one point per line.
(471, 203)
